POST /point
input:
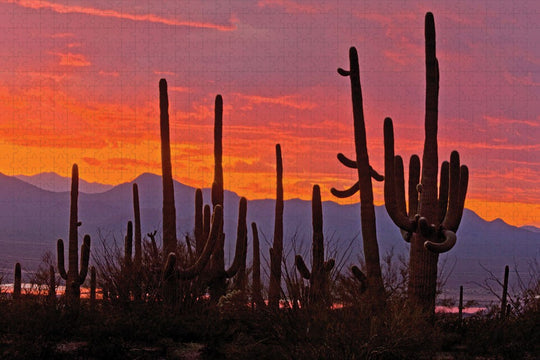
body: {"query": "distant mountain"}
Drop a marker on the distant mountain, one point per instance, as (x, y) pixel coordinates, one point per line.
(33, 219)
(53, 182)
(530, 228)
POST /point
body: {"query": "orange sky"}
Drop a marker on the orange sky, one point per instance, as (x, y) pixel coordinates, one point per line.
(79, 83)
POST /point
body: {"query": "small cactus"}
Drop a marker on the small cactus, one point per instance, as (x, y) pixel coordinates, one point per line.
(17, 282)
(504, 300)
(256, 296)
(74, 277)
(320, 270)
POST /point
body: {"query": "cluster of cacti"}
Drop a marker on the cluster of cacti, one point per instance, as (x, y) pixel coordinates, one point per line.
(276, 251)
(432, 220)
(373, 281)
(320, 270)
(74, 276)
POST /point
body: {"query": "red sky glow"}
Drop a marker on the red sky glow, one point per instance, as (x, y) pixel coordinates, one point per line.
(79, 84)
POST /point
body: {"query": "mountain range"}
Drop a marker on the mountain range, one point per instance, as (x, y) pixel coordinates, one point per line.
(33, 218)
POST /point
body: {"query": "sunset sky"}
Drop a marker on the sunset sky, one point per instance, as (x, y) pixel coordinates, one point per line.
(79, 84)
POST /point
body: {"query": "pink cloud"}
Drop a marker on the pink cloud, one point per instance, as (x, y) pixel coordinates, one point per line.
(74, 9)
(69, 59)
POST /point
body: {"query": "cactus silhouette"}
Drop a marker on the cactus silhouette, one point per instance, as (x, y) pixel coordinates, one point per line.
(128, 246)
(217, 273)
(169, 213)
(320, 269)
(137, 258)
(276, 251)
(256, 296)
(74, 276)
(432, 220)
(169, 210)
(17, 282)
(172, 271)
(373, 281)
(504, 311)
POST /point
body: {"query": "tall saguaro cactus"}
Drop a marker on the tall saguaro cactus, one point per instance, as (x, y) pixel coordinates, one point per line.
(169, 210)
(432, 220)
(218, 275)
(137, 258)
(320, 269)
(74, 277)
(363, 185)
(276, 251)
(17, 282)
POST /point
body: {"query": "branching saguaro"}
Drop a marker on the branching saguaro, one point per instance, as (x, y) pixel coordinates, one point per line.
(364, 186)
(320, 269)
(74, 277)
(218, 275)
(432, 220)
(276, 251)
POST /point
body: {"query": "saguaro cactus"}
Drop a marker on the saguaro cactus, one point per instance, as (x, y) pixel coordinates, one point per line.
(276, 251)
(74, 277)
(171, 271)
(137, 258)
(363, 185)
(432, 220)
(52, 284)
(17, 282)
(504, 311)
(320, 269)
(169, 210)
(218, 275)
(256, 296)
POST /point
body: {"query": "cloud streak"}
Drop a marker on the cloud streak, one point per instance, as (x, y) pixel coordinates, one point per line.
(109, 13)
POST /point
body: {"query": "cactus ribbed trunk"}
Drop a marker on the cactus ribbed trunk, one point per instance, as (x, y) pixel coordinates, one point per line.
(17, 282)
(218, 284)
(137, 259)
(433, 219)
(276, 251)
(169, 210)
(319, 296)
(74, 276)
(256, 297)
(375, 288)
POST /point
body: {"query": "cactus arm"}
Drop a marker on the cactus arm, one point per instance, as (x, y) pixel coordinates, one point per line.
(60, 259)
(398, 217)
(353, 165)
(301, 266)
(168, 270)
(329, 265)
(202, 260)
(443, 191)
(399, 177)
(346, 193)
(189, 249)
(414, 179)
(206, 221)
(85, 257)
(459, 178)
(449, 240)
(359, 275)
(199, 220)
(241, 240)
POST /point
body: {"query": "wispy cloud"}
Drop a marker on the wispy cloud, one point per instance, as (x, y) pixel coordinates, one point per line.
(69, 59)
(291, 101)
(295, 7)
(109, 13)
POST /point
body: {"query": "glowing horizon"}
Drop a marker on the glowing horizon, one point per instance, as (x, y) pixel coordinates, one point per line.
(80, 85)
